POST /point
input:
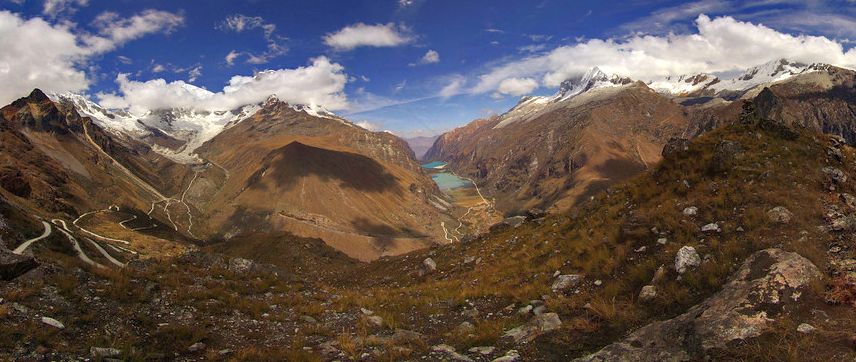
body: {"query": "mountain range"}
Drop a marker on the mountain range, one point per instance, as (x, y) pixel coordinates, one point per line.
(685, 218)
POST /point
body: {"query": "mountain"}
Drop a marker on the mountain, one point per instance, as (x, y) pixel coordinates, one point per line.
(556, 151)
(421, 144)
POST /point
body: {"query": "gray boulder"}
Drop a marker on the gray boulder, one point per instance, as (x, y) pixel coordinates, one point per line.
(686, 258)
(765, 288)
(780, 215)
(565, 282)
(13, 265)
(539, 325)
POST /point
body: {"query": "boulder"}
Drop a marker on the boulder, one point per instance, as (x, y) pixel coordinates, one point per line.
(429, 264)
(687, 257)
(514, 221)
(690, 211)
(102, 352)
(675, 146)
(196, 347)
(539, 325)
(805, 328)
(648, 293)
(450, 353)
(780, 215)
(13, 265)
(510, 356)
(53, 322)
(375, 320)
(482, 350)
(533, 214)
(565, 282)
(241, 265)
(767, 285)
(711, 228)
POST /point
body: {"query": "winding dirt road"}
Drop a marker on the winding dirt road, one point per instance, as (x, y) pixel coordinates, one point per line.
(63, 228)
(20, 249)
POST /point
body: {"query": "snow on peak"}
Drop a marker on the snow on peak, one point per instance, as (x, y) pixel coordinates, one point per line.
(772, 71)
(594, 78)
(683, 85)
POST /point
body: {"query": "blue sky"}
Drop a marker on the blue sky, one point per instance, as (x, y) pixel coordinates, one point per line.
(415, 67)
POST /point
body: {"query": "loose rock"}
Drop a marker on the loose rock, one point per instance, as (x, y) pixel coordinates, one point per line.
(687, 258)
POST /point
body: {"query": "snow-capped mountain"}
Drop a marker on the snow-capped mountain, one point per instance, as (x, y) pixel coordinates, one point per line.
(189, 127)
(704, 84)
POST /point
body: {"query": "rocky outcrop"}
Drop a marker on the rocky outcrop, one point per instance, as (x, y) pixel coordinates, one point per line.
(14, 265)
(761, 291)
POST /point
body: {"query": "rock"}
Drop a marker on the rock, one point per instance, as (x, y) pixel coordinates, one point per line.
(598, 282)
(13, 265)
(834, 175)
(765, 288)
(805, 328)
(690, 211)
(565, 282)
(53, 322)
(525, 309)
(465, 328)
(848, 200)
(725, 154)
(470, 313)
(539, 310)
(537, 326)
(711, 228)
(366, 311)
(514, 221)
(510, 356)
(450, 352)
(241, 265)
(662, 241)
(533, 214)
(780, 215)
(484, 351)
(403, 336)
(687, 257)
(429, 264)
(376, 321)
(101, 352)
(675, 146)
(308, 319)
(648, 293)
(196, 347)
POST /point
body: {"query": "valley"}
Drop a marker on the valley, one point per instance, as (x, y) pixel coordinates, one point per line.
(524, 185)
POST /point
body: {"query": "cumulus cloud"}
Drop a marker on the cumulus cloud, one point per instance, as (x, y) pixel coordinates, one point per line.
(516, 86)
(430, 57)
(239, 23)
(114, 31)
(25, 65)
(721, 44)
(54, 8)
(321, 82)
(360, 34)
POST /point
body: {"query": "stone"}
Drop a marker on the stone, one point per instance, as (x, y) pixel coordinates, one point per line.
(429, 264)
(484, 351)
(13, 265)
(514, 221)
(598, 282)
(648, 293)
(687, 257)
(690, 211)
(241, 265)
(659, 275)
(539, 310)
(662, 241)
(805, 328)
(848, 200)
(834, 175)
(102, 352)
(780, 215)
(525, 309)
(465, 328)
(675, 146)
(764, 289)
(539, 325)
(565, 282)
(366, 311)
(510, 356)
(308, 319)
(711, 228)
(450, 352)
(196, 347)
(376, 321)
(53, 322)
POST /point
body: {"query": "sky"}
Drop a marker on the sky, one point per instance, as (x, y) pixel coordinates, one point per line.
(412, 67)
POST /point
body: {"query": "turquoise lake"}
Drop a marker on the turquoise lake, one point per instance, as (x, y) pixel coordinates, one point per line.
(446, 180)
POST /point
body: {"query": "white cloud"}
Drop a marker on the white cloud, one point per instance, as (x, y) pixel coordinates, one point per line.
(517, 86)
(114, 31)
(722, 44)
(194, 73)
(239, 23)
(368, 125)
(124, 60)
(25, 64)
(157, 68)
(430, 57)
(360, 34)
(53, 8)
(230, 58)
(322, 82)
(454, 87)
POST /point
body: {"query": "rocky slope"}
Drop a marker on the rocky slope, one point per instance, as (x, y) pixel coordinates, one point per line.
(556, 151)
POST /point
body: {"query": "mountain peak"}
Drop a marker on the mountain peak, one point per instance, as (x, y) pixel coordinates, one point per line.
(593, 78)
(37, 95)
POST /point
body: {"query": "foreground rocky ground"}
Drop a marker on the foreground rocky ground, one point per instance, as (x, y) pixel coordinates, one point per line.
(738, 246)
